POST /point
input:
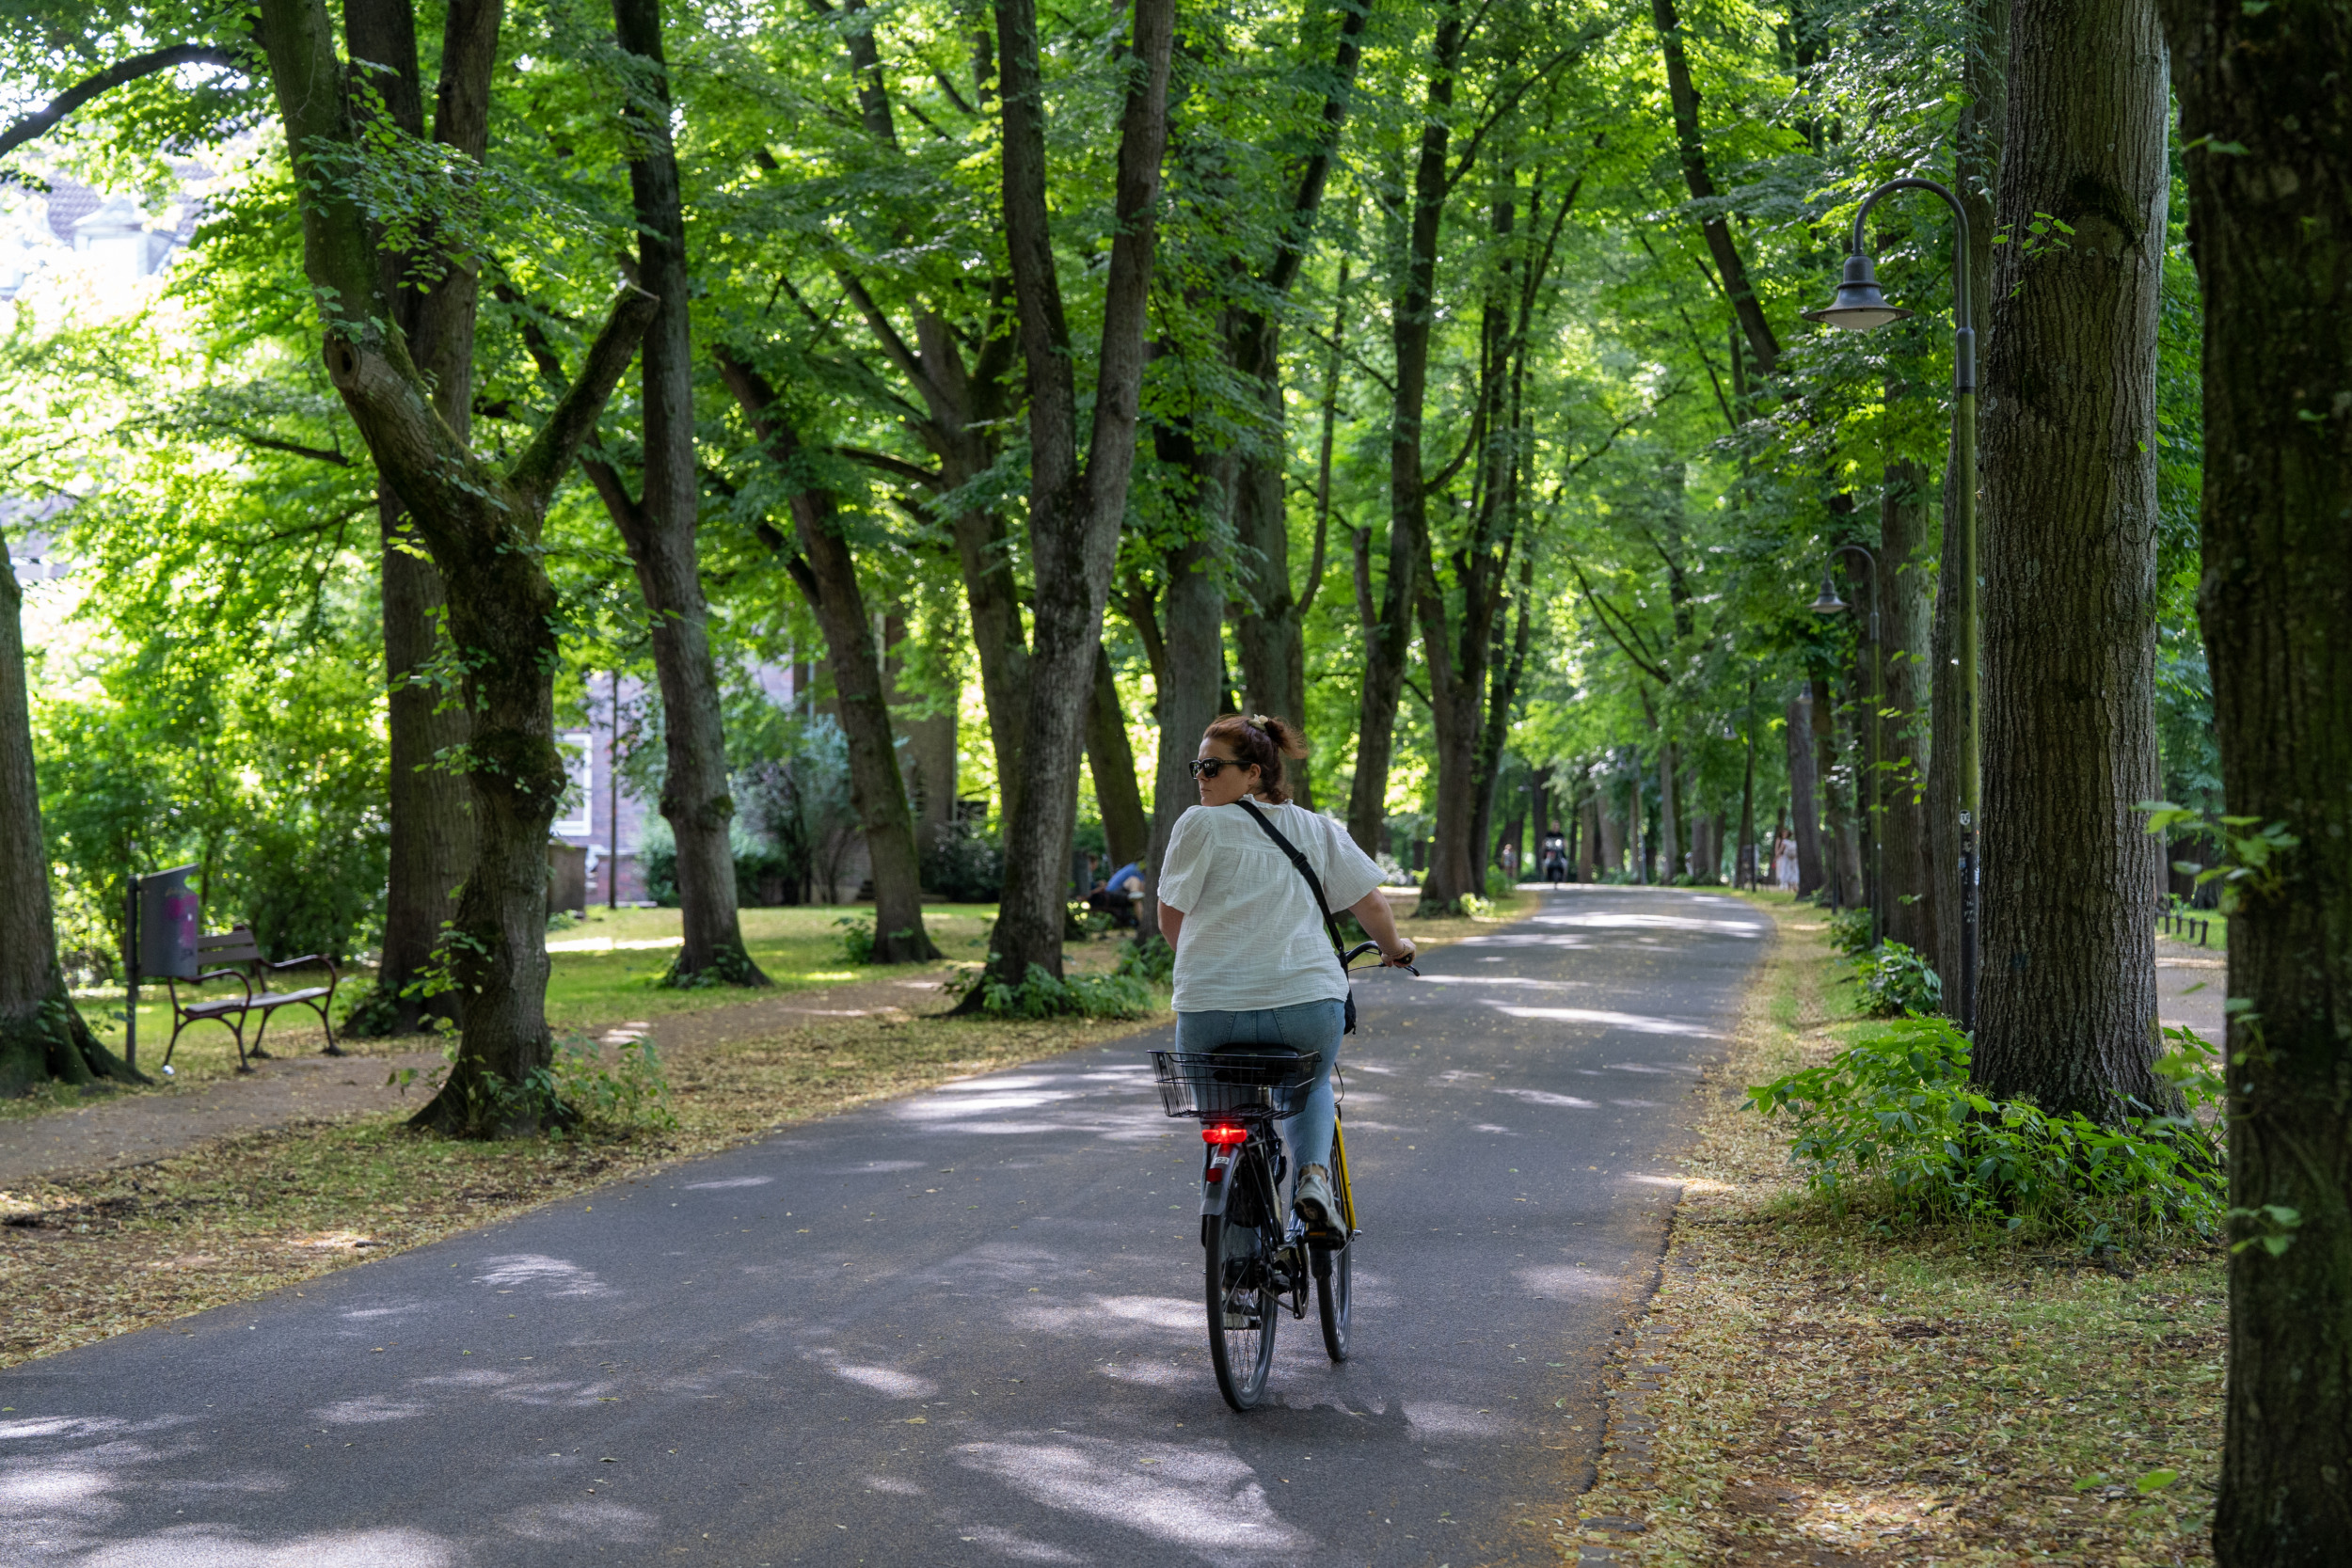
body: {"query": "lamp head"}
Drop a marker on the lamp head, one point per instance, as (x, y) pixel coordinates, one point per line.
(1859, 307)
(1829, 603)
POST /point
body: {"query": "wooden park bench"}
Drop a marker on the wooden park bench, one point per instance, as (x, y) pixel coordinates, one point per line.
(237, 947)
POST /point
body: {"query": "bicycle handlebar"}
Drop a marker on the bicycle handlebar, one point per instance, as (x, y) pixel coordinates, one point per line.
(1347, 959)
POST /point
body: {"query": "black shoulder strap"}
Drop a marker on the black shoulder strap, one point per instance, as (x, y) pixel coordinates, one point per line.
(1314, 883)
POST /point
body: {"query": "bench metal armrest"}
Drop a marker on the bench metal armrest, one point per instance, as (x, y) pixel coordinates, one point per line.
(237, 975)
(333, 977)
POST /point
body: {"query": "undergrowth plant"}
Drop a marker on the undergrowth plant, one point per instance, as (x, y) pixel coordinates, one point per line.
(1850, 932)
(1892, 1128)
(1040, 995)
(1897, 981)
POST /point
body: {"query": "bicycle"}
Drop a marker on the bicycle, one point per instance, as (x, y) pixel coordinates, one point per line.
(1260, 1256)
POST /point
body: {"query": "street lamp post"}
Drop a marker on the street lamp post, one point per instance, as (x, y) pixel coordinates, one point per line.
(1872, 818)
(1860, 307)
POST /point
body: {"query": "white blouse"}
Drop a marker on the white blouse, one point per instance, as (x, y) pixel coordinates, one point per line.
(1252, 937)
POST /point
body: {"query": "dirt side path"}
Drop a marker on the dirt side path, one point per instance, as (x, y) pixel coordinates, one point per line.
(150, 1125)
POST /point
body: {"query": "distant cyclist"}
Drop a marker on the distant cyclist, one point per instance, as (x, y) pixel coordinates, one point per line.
(1253, 963)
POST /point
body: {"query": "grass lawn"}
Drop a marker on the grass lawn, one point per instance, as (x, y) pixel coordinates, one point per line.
(604, 969)
(1814, 1393)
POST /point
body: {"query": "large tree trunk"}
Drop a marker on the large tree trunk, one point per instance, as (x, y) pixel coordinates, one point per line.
(1902, 612)
(2269, 230)
(1977, 157)
(41, 1036)
(482, 525)
(1075, 511)
(826, 573)
(1408, 497)
(428, 804)
(1112, 761)
(1804, 806)
(1192, 627)
(2067, 1015)
(1715, 223)
(660, 533)
(1841, 844)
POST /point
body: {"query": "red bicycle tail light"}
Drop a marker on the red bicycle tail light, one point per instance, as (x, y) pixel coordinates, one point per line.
(1220, 1133)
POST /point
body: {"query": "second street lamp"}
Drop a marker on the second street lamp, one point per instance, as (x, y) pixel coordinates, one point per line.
(1860, 307)
(1872, 818)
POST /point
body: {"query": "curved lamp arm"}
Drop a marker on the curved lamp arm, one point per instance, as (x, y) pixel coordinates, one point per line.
(1963, 306)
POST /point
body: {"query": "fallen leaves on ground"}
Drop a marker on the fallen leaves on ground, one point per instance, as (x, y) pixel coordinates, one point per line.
(1825, 1398)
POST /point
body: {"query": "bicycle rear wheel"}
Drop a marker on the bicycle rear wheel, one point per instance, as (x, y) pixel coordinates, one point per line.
(1243, 1308)
(1334, 1270)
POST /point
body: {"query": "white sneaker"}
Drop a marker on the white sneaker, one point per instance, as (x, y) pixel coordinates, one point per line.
(1313, 1200)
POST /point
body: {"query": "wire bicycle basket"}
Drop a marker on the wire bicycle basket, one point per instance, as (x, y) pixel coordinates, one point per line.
(1234, 1083)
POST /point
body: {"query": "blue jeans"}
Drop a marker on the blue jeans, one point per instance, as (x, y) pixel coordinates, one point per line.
(1306, 1026)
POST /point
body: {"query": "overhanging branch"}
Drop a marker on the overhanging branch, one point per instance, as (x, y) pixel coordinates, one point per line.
(40, 121)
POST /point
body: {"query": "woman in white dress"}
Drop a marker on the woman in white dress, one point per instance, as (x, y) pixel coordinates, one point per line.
(1253, 964)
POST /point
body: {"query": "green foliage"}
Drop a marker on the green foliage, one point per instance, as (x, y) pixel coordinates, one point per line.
(963, 864)
(1850, 931)
(1896, 981)
(857, 938)
(1499, 883)
(1148, 959)
(575, 1093)
(2252, 850)
(1891, 1126)
(1039, 996)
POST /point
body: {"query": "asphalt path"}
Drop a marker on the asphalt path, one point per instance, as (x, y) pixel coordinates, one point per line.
(966, 1327)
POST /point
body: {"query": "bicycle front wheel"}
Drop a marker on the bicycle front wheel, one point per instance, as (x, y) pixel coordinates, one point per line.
(1334, 1268)
(1243, 1308)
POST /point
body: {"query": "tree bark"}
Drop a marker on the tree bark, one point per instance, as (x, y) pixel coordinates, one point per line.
(1731, 271)
(659, 528)
(428, 804)
(1192, 629)
(1805, 808)
(1412, 320)
(1075, 511)
(41, 1034)
(1841, 848)
(2268, 229)
(1977, 157)
(2067, 1013)
(1112, 761)
(1669, 831)
(1900, 584)
(481, 525)
(826, 574)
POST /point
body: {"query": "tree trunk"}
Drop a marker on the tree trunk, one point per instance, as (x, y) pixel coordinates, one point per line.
(1612, 834)
(41, 1034)
(1731, 271)
(483, 526)
(1976, 156)
(1586, 868)
(1804, 800)
(1669, 831)
(1842, 849)
(826, 574)
(1743, 872)
(2067, 1015)
(2268, 232)
(1112, 760)
(1074, 512)
(427, 802)
(1409, 499)
(659, 529)
(1900, 584)
(1194, 633)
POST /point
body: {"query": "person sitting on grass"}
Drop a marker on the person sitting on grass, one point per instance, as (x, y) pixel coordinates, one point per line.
(1116, 896)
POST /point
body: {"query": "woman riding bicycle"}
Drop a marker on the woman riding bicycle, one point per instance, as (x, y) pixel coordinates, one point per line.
(1253, 964)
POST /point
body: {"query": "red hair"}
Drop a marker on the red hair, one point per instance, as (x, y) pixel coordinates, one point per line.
(1261, 742)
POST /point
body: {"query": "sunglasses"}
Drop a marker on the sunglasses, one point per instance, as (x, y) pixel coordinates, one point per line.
(1209, 767)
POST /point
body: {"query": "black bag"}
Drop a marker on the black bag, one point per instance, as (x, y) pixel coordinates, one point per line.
(1315, 886)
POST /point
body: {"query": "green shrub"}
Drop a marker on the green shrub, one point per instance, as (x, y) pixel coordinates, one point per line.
(1149, 959)
(964, 864)
(1850, 932)
(857, 938)
(1896, 980)
(1475, 907)
(1039, 996)
(1892, 1124)
(1498, 882)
